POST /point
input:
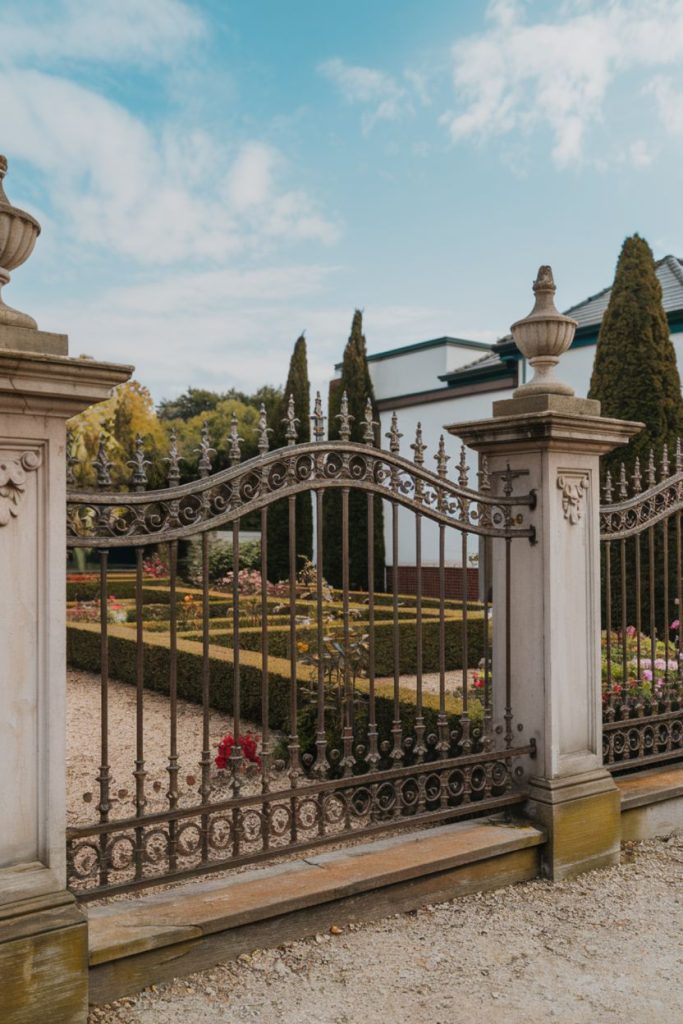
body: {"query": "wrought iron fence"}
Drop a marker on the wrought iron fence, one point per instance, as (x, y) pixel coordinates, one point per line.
(335, 756)
(642, 595)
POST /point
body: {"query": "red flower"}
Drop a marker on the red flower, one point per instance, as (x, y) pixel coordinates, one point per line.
(248, 744)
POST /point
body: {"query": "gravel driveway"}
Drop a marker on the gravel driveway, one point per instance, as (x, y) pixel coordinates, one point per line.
(607, 947)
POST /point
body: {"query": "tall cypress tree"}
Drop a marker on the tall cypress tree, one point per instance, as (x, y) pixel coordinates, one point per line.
(278, 514)
(355, 380)
(635, 377)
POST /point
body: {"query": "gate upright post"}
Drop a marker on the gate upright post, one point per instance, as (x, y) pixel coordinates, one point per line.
(552, 442)
(43, 934)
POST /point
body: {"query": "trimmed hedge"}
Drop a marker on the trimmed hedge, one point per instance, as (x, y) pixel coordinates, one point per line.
(278, 642)
(83, 652)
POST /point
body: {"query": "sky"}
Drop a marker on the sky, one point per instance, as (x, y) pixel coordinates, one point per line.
(215, 176)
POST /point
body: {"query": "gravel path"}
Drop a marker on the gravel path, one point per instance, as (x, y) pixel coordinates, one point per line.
(83, 746)
(604, 948)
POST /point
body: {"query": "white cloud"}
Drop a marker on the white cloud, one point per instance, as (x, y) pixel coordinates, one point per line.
(367, 86)
(639, 154)
(156, 198)
(133, 31)
(556, 73)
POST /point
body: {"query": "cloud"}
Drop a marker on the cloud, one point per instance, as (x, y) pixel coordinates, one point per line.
(384, 95)
(151, 196)
(130, 31)
(556, 73)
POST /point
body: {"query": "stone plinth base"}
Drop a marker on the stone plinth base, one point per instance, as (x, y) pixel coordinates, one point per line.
(43, 950)
(27, 339)
(582, 815)
(526, 404)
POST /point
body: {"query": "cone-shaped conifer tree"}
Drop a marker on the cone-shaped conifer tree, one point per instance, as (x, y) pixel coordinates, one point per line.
(278, 514)
(355, 380)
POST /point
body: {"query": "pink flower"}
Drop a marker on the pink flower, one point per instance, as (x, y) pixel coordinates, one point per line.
(631, 631)
(675, 624)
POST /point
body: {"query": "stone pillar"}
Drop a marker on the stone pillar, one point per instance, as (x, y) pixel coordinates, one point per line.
(553, 441)
(43, 934)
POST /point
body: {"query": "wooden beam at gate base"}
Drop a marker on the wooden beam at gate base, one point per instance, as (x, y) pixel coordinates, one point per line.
(137, 943)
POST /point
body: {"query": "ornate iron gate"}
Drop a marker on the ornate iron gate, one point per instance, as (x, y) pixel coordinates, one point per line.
(642, 594)
(356, 771)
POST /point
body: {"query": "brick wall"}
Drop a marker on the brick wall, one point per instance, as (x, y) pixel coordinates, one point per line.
(455, 581)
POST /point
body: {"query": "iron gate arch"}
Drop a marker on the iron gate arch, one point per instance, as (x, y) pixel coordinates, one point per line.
(299, 799)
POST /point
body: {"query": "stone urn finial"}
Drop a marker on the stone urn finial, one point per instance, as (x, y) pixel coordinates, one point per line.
(542, 337)
(18, 233)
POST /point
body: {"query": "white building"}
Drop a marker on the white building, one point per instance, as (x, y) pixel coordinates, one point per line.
(451, 380)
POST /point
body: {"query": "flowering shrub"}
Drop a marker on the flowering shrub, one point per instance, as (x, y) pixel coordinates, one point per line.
(645, 678)
(155, 567)
(248, 744)
(89, 611)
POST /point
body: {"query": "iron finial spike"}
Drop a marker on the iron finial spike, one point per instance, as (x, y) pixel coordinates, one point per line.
(71, 459)
(483, 475)
(441, 458)
(139, 465)
(394, 435)
(318, 418)
(508, 477)
(263, 430)
(418, 447)
(205, 451)
(665, 462)
(608, 489)
(651, 471)
(234, 450)
(463, 469)
(623, 486)
(344, 418)
(102, 463)
(173, 460)
(369, 424)
(291, 420)
(637, 478)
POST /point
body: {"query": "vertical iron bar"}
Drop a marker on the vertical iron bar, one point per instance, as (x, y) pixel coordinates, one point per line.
(608, 613)
(679, 588)
(173, 696)
(442, 721)
(639, 621)
(420, 749)
(205, 763)
(321, 763)
(104, 777)
(488, 710)
(651, 582)
(373, 752)
(665, 555)
(293, 745)
(396, 729)
(624, 612)
(508, 646)
(347, 730)
(465, 720)
(140, 773)
(265, 683)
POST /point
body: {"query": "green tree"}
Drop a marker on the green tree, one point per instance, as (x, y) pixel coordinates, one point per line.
(355, 380)
(298, 388)
(118, 421)
(635, 377)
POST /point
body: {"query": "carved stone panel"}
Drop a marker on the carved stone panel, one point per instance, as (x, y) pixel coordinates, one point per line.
(573, 484)
(13, 475)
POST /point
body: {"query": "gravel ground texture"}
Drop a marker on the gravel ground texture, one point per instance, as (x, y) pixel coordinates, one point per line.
(606, 947)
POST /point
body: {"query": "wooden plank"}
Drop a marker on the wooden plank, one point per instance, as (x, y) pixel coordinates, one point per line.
(125, 976)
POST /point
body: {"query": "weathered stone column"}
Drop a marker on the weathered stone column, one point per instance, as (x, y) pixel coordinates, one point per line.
(554, 441)
(43, 934)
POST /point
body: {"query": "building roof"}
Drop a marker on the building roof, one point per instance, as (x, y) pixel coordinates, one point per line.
(588, 315)
(430, 343)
